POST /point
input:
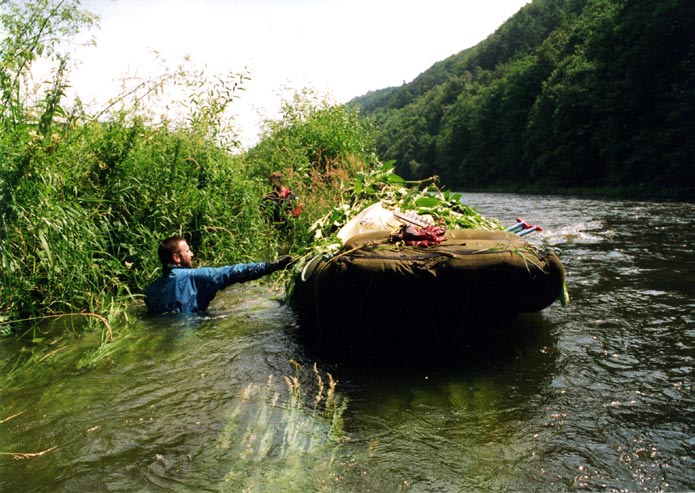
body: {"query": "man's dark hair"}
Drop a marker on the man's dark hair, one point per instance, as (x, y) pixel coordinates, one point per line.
(167, 248)
(276, 180)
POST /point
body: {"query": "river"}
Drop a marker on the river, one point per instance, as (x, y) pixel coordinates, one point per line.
(596, 396)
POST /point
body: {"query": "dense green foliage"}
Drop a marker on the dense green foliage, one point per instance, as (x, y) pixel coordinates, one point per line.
(567, 94)
(318, 147)
(86, 198)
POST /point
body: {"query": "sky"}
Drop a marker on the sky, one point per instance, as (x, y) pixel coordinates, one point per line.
(339, 48)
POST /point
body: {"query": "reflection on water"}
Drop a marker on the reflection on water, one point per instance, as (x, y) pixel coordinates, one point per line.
(595, 396)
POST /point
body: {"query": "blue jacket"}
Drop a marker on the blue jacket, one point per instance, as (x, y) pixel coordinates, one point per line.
(191, 290)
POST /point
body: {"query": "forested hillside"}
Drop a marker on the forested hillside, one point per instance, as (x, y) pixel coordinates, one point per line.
(566, 95)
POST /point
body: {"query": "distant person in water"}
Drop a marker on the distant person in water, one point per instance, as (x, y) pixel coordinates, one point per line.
(281, 203)
(183, 289)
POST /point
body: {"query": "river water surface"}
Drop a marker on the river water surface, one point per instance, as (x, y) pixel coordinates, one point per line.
(595, 396)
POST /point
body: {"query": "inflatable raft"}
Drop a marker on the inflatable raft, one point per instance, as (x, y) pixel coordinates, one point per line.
(380, 291)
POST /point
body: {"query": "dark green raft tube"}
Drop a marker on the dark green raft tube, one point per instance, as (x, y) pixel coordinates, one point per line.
(377, 295)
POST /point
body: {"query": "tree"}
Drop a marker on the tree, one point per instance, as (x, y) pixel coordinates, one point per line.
(32, 31)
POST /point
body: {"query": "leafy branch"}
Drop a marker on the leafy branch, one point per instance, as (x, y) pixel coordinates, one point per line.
(382, 184)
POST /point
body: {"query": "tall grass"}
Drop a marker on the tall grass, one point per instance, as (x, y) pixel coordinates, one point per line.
(81, 219)
(85, 198)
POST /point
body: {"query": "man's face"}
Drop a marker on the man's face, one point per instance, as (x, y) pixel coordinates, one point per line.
(184, 255)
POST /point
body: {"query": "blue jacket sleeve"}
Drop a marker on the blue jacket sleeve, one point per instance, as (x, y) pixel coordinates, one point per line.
(209, 280)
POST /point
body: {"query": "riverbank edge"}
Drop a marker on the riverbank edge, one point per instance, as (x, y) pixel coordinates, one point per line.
(642, 193)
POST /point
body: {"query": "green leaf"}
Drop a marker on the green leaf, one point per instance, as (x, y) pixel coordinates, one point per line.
(388, 165)
(393, 178)
(427, 202)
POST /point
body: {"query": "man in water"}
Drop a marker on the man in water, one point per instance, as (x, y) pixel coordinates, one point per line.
(183, 289)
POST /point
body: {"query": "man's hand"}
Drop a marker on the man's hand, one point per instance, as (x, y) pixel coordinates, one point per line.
(281, 263)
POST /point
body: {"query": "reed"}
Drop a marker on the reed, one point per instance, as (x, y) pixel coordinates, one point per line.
(273, 435)
(28, 455)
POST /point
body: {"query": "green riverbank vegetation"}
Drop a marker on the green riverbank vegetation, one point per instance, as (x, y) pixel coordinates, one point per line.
(86, 197)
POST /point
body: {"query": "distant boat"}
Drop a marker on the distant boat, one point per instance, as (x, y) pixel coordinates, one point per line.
(386, 288)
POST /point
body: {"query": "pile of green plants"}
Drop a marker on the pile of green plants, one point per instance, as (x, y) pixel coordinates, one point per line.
(381, 184)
